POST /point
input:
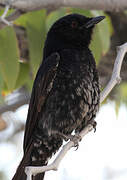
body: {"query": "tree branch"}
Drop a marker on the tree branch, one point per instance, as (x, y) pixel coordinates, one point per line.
(115, 78)
(23, 6)
(14, 106)
(28, 5)
(16, 101)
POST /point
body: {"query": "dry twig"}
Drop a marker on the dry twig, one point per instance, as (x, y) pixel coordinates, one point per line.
(3, 17)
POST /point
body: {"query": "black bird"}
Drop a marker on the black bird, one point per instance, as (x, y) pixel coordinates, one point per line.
(65, 95)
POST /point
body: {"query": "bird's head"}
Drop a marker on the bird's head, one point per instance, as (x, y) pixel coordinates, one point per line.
(72, 31)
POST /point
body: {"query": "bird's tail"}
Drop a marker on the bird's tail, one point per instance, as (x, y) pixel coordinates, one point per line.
(37, 154)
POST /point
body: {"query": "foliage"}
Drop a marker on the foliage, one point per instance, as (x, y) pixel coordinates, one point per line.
(13, 73)
(9, 55)
(123, 93)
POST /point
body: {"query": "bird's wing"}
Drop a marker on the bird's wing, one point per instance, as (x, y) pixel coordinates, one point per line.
(41, 88)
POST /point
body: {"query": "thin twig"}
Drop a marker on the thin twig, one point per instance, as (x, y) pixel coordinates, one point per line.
(8, 21)
(2, 18)
(11, 18)
(115, 78)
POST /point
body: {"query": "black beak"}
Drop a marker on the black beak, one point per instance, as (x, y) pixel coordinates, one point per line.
(94, 21)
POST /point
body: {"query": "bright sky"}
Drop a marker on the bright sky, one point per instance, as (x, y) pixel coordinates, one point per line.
(101, 155)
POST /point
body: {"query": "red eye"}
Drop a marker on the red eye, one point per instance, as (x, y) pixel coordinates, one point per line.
(74, 24)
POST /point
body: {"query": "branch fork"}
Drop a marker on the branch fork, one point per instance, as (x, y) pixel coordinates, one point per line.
(3, 17)
(115, 79)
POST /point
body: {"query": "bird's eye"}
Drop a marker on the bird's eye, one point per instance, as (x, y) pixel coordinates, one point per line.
(74, 24)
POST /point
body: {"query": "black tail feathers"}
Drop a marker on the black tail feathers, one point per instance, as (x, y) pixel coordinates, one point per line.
(37, 154)
(26, 161)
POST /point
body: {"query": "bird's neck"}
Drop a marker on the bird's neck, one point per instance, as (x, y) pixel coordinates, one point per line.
(53, 44)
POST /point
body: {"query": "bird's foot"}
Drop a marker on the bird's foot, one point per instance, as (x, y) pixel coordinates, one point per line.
(74, 138)
(93, 123)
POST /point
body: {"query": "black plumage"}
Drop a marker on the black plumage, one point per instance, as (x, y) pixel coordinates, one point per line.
(65, 95)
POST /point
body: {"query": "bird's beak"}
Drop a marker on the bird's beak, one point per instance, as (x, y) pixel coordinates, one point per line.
(94, 21)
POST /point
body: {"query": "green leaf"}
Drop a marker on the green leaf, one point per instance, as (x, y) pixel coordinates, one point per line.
(34, 22)
(95, 45)
(1, 88)
(123, 91)
(117, 107)
(23, 75)
(1, 82)
(101, 37)
(125, 12)
(9, 56)
(36, 35)
(22, 20)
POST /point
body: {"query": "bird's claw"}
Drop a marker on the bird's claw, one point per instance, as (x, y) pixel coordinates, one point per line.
(75, 139)
(94, 124)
